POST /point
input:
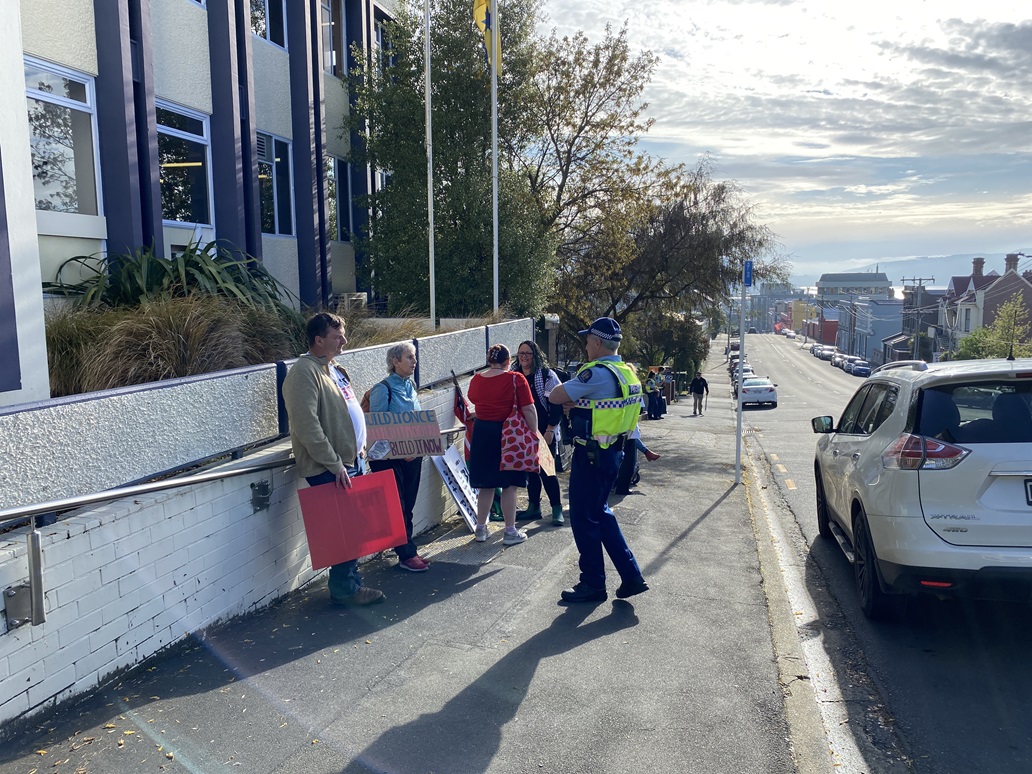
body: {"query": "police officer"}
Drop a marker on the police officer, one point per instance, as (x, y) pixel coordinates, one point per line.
(604, 400)
(654, 408)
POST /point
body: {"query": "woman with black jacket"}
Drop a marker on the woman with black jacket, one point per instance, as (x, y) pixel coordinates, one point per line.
(530, 361)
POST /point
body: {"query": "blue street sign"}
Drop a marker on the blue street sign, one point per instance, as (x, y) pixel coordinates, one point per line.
(748, 274)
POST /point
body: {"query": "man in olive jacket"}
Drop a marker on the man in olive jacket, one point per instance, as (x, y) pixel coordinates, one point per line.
(327, 432)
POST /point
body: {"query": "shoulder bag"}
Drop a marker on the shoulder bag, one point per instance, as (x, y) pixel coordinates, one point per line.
(519, 442)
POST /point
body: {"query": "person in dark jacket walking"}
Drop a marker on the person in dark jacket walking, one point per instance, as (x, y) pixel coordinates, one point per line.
(697, 387)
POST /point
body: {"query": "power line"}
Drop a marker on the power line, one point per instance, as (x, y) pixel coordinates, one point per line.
(918, 283)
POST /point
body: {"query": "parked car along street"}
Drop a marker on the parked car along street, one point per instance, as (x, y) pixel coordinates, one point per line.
(759, 390)
(925, 481)
(861, 368)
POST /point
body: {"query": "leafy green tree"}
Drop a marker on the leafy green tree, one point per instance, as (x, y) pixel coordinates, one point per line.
(663, 338)
(685, 249)
(1009, 329)
(389, 116)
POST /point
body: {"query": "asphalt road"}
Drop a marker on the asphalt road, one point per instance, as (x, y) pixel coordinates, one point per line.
(947, 686)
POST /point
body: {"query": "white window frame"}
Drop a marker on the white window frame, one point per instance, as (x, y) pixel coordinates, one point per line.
(205, 120)
(89, 107)
(266, 37)
(272, 139)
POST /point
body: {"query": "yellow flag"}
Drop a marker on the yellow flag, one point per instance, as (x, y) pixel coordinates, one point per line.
(483, 15)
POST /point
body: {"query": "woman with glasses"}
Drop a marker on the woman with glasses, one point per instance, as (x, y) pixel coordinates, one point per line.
(530, 361)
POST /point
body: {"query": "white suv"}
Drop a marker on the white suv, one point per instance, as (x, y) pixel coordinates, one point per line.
(926, 480)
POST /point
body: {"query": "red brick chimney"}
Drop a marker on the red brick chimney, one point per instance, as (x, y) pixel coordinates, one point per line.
(977, 266)
(1011, 262)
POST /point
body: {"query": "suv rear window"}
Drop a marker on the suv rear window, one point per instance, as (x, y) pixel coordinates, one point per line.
(982, 412)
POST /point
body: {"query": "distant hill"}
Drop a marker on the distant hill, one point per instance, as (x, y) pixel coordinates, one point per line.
(942, 267)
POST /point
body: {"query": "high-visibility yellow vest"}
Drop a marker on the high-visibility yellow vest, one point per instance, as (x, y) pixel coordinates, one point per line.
(613, 417)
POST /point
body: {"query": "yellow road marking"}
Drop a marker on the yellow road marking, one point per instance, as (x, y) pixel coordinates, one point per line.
(789, 483)
(773, 458)
(781, 468)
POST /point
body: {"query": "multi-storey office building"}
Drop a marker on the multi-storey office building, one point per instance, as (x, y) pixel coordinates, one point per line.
(127, 123)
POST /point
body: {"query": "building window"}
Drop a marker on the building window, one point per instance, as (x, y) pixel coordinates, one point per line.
(274, 185)
(269, 21)
(384, 55)
(332, 26)
(338, 199)
(967, 321)
(183, 150)
(61, 139)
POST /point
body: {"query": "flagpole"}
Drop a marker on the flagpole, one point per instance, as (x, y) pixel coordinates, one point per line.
(496, 30)
(429, 164)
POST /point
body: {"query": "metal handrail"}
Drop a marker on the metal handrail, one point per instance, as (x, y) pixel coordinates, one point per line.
(20, 512)
(8, 515)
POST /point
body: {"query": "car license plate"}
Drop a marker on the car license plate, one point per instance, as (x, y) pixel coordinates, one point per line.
(1028, 491)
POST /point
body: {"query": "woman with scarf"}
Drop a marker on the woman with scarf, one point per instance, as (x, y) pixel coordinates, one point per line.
(530, 361)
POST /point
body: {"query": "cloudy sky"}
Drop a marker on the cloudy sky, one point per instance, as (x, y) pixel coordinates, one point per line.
(859, 131)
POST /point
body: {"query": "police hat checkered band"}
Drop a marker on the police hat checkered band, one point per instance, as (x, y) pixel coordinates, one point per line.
(605, 328)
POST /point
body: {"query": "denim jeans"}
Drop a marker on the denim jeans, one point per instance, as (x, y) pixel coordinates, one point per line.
(344, 577)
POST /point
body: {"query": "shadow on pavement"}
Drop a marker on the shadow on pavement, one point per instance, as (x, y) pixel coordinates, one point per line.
(470, 724)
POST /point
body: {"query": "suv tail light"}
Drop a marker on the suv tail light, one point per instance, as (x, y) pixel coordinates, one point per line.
(917, 452)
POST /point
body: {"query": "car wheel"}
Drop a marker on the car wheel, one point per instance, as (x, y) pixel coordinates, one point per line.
(873, 601)
(774, 404)
(823, 518)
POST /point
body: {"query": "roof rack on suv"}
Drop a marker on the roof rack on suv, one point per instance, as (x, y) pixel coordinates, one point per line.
(915, 365)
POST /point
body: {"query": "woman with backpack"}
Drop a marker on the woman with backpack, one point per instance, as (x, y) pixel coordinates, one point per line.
(397, 393)
(530, 361)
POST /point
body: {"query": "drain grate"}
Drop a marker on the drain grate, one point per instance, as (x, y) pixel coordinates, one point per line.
(459, 547)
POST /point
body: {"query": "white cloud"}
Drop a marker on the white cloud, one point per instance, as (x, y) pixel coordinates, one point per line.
(866, 122)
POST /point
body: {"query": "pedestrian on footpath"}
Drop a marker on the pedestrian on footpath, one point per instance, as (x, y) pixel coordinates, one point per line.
(328, 432)
(397, 394)
(605, 401)
(629, 474)
(542, 380)
(698, 386)
(653, 407)
(493, 392)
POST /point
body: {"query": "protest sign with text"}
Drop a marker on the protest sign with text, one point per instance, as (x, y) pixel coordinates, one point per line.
(409, 433)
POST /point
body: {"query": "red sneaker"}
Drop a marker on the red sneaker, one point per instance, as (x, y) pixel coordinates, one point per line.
(415, 564)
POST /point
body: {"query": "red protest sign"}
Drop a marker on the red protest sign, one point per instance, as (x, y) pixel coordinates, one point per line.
(343, 524)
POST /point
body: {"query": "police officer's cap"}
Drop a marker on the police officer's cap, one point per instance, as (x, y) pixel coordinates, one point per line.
(605, 328)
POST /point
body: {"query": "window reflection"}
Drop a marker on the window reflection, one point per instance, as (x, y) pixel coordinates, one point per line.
(60, 117)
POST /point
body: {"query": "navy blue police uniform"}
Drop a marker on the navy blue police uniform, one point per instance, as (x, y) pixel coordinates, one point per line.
(593, 472)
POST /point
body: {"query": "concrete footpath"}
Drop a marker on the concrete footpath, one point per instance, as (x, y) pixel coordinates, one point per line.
(474, 666)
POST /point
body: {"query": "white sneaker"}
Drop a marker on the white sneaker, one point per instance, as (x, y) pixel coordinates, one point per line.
(514, 538)
(480, 533)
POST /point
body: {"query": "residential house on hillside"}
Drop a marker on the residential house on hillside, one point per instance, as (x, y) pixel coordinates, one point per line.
(971, 302)
(845, 287)
(915, 337)
(865, 324)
